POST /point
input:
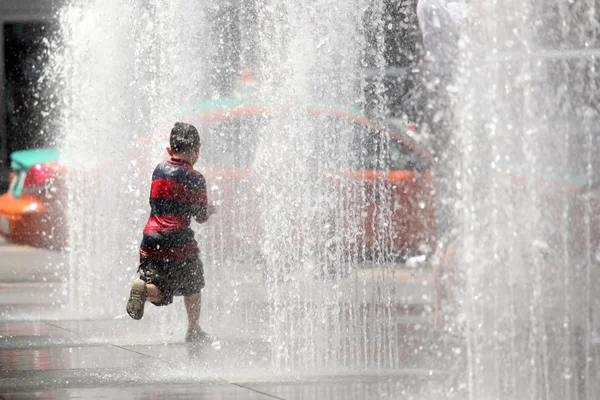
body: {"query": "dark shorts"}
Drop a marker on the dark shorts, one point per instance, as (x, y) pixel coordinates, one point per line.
(174, 278)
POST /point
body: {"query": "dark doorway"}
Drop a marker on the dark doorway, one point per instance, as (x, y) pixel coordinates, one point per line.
(26, 101)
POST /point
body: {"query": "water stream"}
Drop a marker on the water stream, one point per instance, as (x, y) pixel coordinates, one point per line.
(296, 258)
(527, 128)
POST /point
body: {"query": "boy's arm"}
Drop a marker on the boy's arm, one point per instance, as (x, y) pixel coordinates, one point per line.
(204, 212)
(203, 209)
(201, 213)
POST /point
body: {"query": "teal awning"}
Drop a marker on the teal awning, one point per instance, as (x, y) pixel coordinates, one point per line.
(25, 159)
(21, 161)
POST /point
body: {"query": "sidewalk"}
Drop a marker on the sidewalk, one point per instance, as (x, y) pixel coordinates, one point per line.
(57, 357)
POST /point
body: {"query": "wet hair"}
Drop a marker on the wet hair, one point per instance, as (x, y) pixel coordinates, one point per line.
(184, 138)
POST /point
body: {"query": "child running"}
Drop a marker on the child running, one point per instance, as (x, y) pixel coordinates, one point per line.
(169, 258)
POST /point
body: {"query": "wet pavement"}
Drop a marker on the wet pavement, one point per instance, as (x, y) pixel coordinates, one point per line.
(47, 354)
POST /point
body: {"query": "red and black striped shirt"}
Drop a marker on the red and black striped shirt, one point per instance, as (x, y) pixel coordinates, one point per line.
(178, 193)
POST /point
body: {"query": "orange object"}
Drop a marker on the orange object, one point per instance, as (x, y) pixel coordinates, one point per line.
(37, 216)
(394, 210)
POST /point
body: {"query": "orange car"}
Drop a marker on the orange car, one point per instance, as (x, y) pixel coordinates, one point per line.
(32, 211)
(375, 186)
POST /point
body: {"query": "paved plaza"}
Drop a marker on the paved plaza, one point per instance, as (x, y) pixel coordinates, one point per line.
(47, 354)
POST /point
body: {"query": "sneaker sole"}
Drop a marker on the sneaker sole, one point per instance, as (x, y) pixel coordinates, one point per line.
(137, 299)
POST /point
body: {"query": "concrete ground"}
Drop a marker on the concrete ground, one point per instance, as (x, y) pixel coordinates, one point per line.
(46, 354)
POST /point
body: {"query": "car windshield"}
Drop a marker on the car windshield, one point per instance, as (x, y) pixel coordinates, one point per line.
(337, 143)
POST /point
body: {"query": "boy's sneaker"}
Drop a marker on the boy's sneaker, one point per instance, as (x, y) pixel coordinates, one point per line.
(196, 335)
(137, 299)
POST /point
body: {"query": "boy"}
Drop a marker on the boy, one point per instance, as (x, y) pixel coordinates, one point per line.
(169, 260)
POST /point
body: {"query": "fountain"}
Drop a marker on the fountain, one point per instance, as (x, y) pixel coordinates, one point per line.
(526, 117)
(278, 269)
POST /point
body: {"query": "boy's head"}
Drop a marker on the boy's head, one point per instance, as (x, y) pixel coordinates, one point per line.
(184, 142)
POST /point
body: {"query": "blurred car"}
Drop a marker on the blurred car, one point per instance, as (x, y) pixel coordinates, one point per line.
(32, 210)
(376, 186)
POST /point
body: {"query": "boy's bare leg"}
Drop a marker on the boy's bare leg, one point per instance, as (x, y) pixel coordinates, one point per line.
(192, 306)
(154, 294)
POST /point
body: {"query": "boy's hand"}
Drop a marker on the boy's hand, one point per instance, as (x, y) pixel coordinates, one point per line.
(211, 209)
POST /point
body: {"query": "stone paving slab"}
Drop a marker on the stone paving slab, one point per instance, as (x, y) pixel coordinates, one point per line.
(205, 390)
(46, 353)
(38, 359)
(71, 358)
(325, 389)
(41, 342)
(28, 312)
(124, 330)
(29, 295)
(356, 387)
(30, 329)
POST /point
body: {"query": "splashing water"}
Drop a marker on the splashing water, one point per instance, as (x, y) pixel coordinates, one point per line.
(285, 258)
(526, 128)
(276, 91)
